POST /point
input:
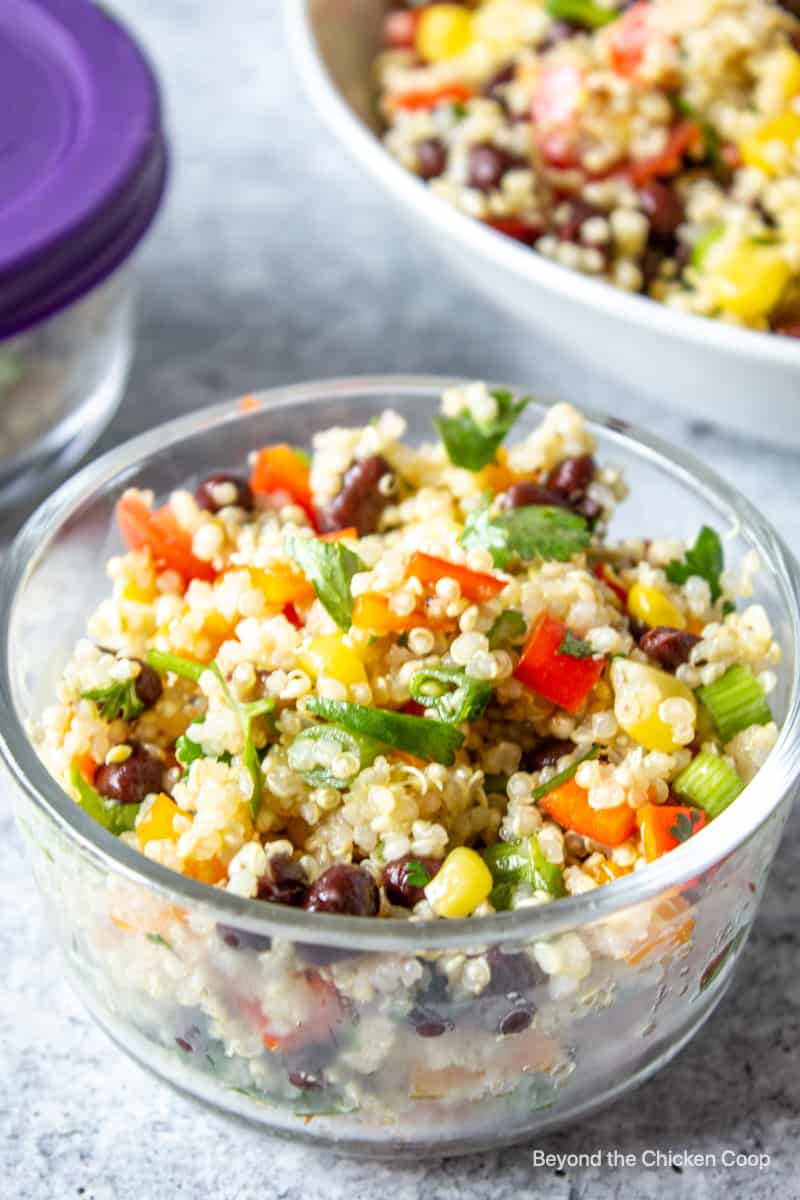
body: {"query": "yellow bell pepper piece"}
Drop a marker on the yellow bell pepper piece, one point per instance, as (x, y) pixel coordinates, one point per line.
(157, 823)
(749, 280)
(773, 146)
(650, 606)
(462, 883)
(332, 654)
(443, 31)
(639, 691)
(780, 81)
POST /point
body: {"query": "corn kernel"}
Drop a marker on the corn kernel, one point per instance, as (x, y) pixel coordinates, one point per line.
(443, 31)
(773, 146)
(136, 594)
(156, 824)
(639, 692)
(462, 883)
(652, 607)
(333, 655)
(749, 280)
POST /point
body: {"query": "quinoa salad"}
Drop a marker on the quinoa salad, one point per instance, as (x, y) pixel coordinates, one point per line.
(652, 144)
(409, 683)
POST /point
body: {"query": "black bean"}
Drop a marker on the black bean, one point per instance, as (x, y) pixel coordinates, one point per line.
(244, 939)
(511, 974)
(360, 501)
(306, 1081)
(662, 206)
(487, 165)
(431, 158)
(497, 81)
(396, 882)
(428, 1023)
(285, 883)
(344, 889)
(668, 647)
(516, 1021)
(528, 493)
(547, 753)
(570, 227)
(148, 686)
(571, 477)
(790, 6)
(130, 781)
(206, 498)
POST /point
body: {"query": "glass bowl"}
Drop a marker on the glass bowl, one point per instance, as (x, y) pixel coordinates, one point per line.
(331, 1028)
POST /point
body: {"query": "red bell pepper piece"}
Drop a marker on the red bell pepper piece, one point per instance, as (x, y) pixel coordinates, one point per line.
(157, 530)
(556, 102)
(475, 585)
(515, 227)
(451, 93)
(280, 469)
(665, 826)
(608, 575)
(628, 38)
(682, 137)
(556, 677)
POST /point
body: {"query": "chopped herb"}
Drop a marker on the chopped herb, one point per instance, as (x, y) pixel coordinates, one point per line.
(473, 444)
(416, 874)
(158, 940)
(711, 140)
(564, 776)
(188, 751)
(510, 627)
(685, 826)
(187, 668)
(118, 700)
(704, 559)
(116, 818)
(421, 736)
(451, 693)
(302, 454)
(575, 647)
(458, 110)
(529, 531)
(313, 752)
(495, 784)
(329, 566)
(704, 243)
(587, 13)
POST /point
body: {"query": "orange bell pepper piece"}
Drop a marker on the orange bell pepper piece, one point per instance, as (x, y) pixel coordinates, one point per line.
(87, 767)
(682, 137)
(282, 583)
(371, 611)
(157, 530)
(569, 807)
(559, 678)
(628, 38)
(665, 826)
(281, 469)
(475, 585)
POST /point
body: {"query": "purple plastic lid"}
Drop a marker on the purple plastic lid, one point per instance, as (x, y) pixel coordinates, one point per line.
(82, 155)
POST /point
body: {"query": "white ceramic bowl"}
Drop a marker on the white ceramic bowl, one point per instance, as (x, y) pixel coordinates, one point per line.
(746, 381)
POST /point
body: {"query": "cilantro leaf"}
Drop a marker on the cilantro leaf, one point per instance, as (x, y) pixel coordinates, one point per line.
(509, 627)
(158, 939)
(117, 700)
(685, 826)
(472, 444)
(575, 647)
(533, 530)
(704, 558)
(188, 751)
(416, 874)
(329, 566)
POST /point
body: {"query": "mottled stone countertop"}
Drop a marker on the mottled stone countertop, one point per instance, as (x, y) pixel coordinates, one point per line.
(243, 285)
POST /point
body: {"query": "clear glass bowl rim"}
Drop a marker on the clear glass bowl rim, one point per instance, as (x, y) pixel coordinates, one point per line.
(730, 830)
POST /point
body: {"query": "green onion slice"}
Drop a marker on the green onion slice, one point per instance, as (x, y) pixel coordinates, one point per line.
(314, 752)
(709, 782)
(420, 736)
(735, 701)
(565, 775)
(116, 818)
(451, 693)
(515, 863)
